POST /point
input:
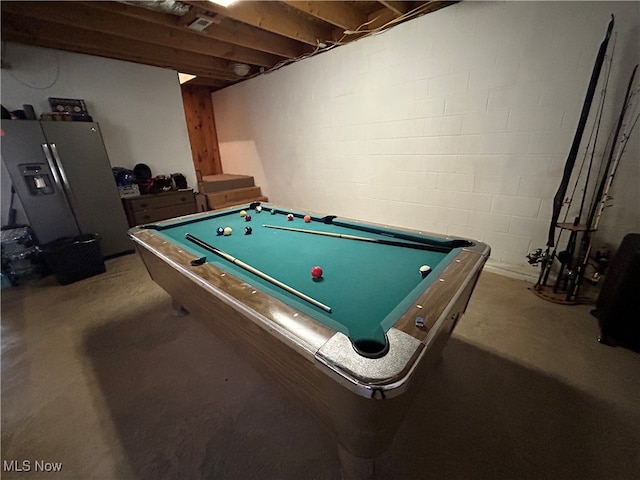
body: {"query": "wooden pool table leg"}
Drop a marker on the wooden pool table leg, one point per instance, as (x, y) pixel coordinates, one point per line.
(354, 468)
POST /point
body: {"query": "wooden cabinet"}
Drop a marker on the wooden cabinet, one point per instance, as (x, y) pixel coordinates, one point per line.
(160, 206)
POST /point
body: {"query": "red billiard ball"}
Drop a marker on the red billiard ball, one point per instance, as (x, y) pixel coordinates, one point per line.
(290, 217)
(247, 217)
(316, 272)
(307, 218)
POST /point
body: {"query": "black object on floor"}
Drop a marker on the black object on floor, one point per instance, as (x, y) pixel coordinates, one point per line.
(74, 258)
(618, 305)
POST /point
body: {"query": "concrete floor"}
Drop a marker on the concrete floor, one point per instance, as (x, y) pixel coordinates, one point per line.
(105, 378)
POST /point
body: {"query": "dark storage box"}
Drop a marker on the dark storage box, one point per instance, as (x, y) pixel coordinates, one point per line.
(75, 258)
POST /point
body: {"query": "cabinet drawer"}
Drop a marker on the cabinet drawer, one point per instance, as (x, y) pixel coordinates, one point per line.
(161, 200)
(157, 214)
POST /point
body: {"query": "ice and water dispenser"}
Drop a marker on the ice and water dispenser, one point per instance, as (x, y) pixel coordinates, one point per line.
(38, 178)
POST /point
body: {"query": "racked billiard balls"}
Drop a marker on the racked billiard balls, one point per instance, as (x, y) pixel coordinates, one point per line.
(248, 230)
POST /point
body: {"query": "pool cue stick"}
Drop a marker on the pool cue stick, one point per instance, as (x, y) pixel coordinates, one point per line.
(417, 246)
(257, 272)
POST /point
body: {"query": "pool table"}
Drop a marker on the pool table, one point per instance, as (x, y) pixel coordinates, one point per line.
(354, 344)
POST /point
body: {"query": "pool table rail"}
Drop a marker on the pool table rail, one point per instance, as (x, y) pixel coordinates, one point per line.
(303, 333)
(453, 286)
(440, 307)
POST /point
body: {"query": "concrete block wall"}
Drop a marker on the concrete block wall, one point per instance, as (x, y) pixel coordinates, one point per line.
(458, 122)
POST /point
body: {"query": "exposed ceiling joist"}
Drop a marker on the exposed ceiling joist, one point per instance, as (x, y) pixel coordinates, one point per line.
(399, 8)
(76, 15)
(224, 31)
(254, 36)
(47, 34)
(272, 17)
(340, 14)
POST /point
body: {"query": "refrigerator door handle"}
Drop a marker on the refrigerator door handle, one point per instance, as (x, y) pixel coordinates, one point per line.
(63, 177)
(52, 166)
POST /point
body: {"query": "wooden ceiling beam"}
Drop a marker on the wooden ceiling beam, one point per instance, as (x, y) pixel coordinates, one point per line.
(182, 21)
(75, 16)
(388, 16)
(399, 8)
(270, 17)
(340, 14)
(205, 82)
(380, 18)
(384, 18)
(47, 34)
(375, 21)
(239, 34)
(260, 34)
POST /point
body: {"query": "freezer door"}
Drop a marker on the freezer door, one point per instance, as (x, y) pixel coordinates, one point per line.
(29, 161)
(80, 154)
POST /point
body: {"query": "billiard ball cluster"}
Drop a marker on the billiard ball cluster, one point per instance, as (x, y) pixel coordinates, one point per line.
(226, 231)
(316, 271)
(247, 218)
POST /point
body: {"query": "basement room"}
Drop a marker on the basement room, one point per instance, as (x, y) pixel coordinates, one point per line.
(391, 240)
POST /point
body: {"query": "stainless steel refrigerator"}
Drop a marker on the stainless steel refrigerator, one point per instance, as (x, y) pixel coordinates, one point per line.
(63, 178)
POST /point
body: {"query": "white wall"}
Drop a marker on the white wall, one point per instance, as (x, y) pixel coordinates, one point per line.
(457, 122)
(139, 108)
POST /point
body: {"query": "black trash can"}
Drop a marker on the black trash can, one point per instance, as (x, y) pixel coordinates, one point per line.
(72, 259)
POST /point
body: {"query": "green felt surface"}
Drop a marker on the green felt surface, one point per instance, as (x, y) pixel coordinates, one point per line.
(367, 285)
